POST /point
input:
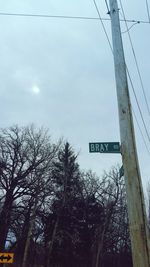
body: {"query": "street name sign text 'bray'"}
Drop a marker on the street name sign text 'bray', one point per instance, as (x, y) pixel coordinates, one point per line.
(104, 147)
(6, 257)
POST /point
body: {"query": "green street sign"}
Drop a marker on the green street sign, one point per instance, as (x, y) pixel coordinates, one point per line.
(104, 147)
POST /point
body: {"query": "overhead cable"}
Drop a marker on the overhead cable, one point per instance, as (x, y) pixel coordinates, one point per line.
(138, 105)
(67, 17)
(103, 26)
(85, 18)
(132, 86)
(134, 114)
(107, 6)
(148, 13)
(136, 62)
(130, 27)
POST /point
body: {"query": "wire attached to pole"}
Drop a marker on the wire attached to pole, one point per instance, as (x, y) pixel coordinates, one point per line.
(148, 13)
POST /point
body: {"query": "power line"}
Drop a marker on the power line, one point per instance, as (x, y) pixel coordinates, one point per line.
(141, 114)
(141, 131)
(107, 6)
(148, 13)
(68, 17)
(98, 12)
(130, 27)
(50, 16)
(136, 62)
(86, 18)
(140, 111)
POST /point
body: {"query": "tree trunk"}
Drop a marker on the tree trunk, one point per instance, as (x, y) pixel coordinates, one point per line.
(27, 243)
(5, 217)
(100, 247)
(50, 245)
(26, 247)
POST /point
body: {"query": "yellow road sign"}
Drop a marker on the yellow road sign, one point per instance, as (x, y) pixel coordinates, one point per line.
(6, 257)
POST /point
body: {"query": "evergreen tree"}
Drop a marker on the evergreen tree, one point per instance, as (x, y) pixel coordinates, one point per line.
(66, 177)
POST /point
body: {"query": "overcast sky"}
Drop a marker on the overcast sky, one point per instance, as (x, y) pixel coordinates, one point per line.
(59, 73)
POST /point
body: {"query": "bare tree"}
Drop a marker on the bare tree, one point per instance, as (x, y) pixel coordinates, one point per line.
(24, 153)
(111, 232)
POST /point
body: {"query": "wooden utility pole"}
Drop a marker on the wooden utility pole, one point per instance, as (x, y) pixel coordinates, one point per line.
(136, 208)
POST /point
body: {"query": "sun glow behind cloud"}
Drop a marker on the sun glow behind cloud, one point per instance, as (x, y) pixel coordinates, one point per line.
(35, 89)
